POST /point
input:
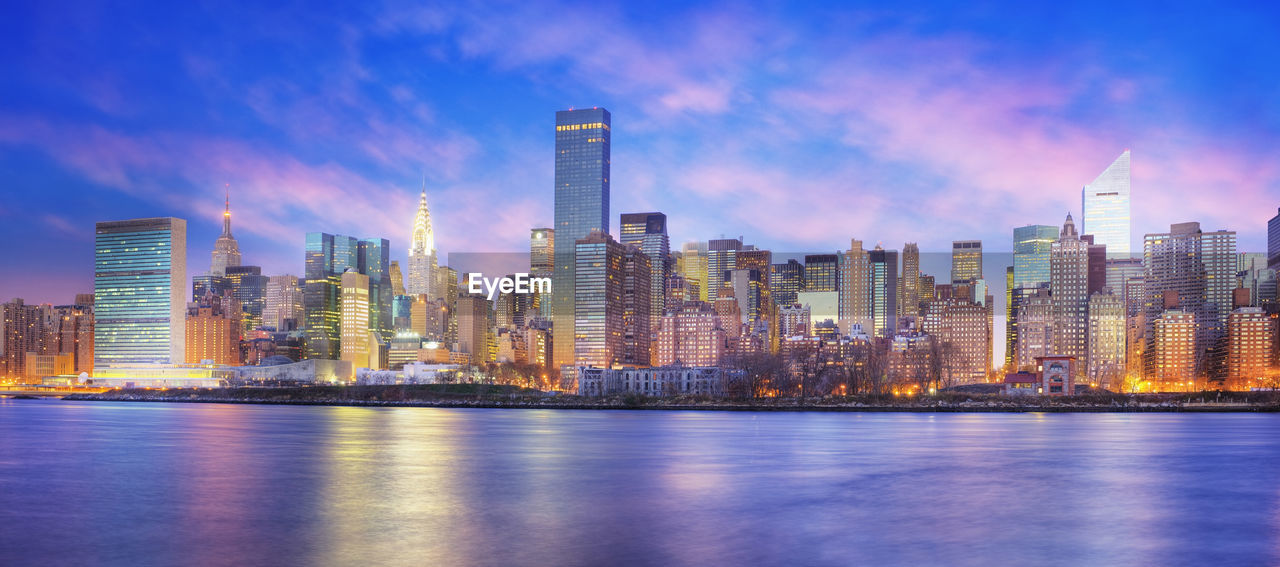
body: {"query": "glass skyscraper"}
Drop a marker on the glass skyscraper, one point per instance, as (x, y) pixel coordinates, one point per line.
(1031, 246)
(1104, 206)
(139, 286)
(648, 232)
(328, 256)
(581, 206)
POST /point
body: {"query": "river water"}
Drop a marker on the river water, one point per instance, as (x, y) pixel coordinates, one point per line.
(93, 483)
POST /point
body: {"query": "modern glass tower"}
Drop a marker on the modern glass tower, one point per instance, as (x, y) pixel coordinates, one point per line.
(581, 206)
(1104, 206)
(139, 286)
(884, 291)
(1031, 247)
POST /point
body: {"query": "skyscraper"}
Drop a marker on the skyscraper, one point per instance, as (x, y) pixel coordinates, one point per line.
(249, 287)
(328, 256)
(695, 267)
(722, 255)
(1273, 242)
(1106, 339)
(1104, 206)
(1199, 269)
(638, 322)
(355, 320)
(140, 280)
(581, 206)
(884, 291)
(648, 232)
(855, 281)
(966, 262)
(1069, 288)
(787, 280)
(282, 309)
(1031, 246)
(422, 251)
(226, 252)
(909, 299)
(598, 339)
(821, 272)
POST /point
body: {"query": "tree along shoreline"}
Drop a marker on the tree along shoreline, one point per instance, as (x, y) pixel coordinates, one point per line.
(493, 396)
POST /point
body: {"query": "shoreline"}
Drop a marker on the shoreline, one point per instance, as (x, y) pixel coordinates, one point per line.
(985, 406)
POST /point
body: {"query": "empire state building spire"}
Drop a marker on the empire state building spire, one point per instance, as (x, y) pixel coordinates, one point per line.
(422, 249)
(226, 251)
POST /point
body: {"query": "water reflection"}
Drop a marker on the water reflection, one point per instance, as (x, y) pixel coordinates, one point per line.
(230, 484)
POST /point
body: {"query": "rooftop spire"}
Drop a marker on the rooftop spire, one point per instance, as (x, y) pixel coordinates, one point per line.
(226, 213)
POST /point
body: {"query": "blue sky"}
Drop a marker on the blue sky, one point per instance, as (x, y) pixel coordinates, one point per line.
(796, 127)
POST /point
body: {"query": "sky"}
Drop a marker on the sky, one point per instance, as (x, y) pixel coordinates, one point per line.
(798, 128)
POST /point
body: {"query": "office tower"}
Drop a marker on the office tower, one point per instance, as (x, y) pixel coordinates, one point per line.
(966, 262)
(909, 298)
(1273, 242)
(1251, 347)
(1012, 302)
(822, 272)
(1069, 287)
(855, 289)
(249, 287)
(722, 255)
(214, 330)
(355, 346)
(226, 252)
(397, 280)
(598, 304)
(695, 267)
(282, 309)
(756, 266)
(140, 279)
(638, 321)
(786, 280)
(1124, 278)
(1106, 340)
(1173, 350)
(884, 291)
(927, 289)
(542, 252)
(1199, 268)
(422, 251)
(581, 206)
(209, 284)
(648, 232)
(1031, 247)
(690, 337)
(1104, 206)
(1035, 329)
(749, 290)
(373, 259)
(1252, 274)
(328, 256)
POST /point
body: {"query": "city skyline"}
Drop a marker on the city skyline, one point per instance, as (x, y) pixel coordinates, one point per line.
(757, 144)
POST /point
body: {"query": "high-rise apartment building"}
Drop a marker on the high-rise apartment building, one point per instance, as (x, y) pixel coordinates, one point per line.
(581, 206)
(214, 330)
(909, 283)
(1035, 329)
(1199, 267)
(1251, 348)
(140, 280)
(1104, 206)
(691, 337)
(282, 309)
(1106, 339)
(855, 289)
(1173, 350)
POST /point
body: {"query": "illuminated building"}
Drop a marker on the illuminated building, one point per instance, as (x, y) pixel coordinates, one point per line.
(214, 330)
(1106, 361)
(927, 289)
(1069, 288)
(1104, 206)
(884, 291)
(397, 280)
(140, 279)
(909, 283)
(226, 252)
(422, 252)
(1124, 277)
(354, 325)
(473, 328)
(249, 287)
(690, 337)
(648, 232)
(282, 309)
(599, 306)
(40, 366)
(786, 280)
(963, 331)
(328, 257)
(1032, 245)
(582, 166)
(694, 256)
(722, 255)
(855, 288)
(966, 262)
(1173, 349)
(822, 272)
(1199, 267)
(1251, 347)
(22, 328)
(638, 321)
(793, 320)
(1057, 375)
(657, 381)
(755, 265)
